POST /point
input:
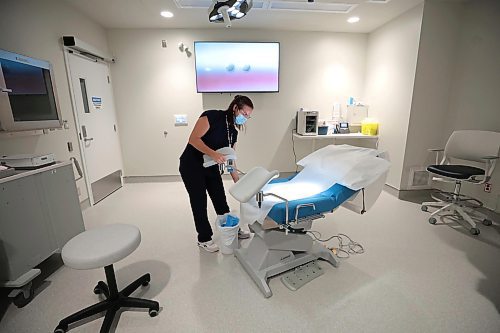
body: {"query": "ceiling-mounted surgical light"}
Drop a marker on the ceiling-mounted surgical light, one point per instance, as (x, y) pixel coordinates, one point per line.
(227, 10)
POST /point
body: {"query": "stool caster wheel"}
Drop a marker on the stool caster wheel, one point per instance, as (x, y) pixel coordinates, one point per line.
(474, 231)
(424, 208)
(101, 288)
(153, 312)
(487, 222)
(432, 220)
(60, 329)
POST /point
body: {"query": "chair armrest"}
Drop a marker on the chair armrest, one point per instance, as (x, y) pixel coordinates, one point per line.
(489, 162)
(437, 151)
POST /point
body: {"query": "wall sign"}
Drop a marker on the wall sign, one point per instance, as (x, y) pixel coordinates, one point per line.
(97, 101)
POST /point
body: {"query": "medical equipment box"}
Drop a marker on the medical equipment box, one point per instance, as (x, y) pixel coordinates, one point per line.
(27, 161)
(356, 114)
(307, 122)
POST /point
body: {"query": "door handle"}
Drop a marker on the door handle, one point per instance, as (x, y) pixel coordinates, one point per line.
(5, 90)
(84, 134)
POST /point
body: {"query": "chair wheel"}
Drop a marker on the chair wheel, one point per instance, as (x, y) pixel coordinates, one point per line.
(432, 220)
(153, 312)
(487, 222)
(97, 290)
(474, 231)
(60, 329)
(145, 283)
(424, 208)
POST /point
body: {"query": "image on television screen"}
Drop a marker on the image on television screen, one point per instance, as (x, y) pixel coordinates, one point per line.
(237, 66)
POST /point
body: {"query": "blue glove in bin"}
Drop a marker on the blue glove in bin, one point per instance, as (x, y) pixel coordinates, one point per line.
(231, 221)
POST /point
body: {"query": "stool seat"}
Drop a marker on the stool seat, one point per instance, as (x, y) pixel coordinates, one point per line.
(101, 246)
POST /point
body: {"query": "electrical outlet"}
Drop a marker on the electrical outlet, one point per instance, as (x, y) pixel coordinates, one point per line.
(487, 187)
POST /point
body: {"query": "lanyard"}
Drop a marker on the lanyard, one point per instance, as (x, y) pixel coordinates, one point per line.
(229, 137)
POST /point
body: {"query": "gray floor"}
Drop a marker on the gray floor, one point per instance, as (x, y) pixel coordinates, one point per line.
(413, 277)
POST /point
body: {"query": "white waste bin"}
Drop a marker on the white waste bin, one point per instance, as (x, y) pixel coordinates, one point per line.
(228, 235)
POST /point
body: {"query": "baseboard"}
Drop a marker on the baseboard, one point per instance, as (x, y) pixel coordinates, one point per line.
(151, 179)
(391, 190)
(409, 194)
(85, 204)
(406, 194)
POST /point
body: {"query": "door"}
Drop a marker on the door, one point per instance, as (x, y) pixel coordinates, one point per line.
(98, 131)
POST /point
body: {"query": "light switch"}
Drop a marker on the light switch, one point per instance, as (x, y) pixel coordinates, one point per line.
(180, 119)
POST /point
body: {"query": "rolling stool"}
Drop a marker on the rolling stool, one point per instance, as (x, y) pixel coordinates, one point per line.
(102, 247)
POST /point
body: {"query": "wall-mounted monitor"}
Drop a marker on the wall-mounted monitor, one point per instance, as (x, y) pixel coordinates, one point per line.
(28, 98)
(237, 66)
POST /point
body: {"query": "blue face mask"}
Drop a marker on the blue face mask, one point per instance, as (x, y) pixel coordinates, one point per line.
(240, 119)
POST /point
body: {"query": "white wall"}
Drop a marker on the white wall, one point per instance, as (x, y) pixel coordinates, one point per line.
(434, 75)
(152, 84)
(474, 96)
(34, 28)
(390, 72)
(456, 83)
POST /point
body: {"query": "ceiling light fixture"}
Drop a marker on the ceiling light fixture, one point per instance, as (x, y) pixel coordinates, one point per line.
(353, 19)
(227, 10)
(167, 14)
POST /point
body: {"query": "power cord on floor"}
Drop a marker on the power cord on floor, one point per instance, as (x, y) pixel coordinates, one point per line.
(346, 245)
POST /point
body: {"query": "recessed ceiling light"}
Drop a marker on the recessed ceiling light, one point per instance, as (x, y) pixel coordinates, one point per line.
(353, 19)
(167, 14)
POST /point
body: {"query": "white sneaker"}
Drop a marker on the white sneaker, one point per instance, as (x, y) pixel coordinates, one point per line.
(209, 246)
(242, 234)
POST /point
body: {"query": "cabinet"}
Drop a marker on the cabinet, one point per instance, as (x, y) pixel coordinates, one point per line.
(39, 213)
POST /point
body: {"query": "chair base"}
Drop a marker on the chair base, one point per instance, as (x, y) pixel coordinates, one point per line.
(466, 213)
(272, 252)
(114, 301)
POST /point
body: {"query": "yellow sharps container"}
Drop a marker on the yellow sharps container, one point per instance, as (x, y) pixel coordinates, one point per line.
(369, 127)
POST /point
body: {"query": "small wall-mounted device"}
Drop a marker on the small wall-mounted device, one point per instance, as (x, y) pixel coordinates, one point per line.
(307, 122)
(180, 120)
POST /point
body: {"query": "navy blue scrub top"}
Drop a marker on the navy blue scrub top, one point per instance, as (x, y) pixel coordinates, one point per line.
(220, 134)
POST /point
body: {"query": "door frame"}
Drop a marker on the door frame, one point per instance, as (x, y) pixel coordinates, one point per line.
(67, 53)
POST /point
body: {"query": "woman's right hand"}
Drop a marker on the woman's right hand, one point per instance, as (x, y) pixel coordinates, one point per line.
(218, 157)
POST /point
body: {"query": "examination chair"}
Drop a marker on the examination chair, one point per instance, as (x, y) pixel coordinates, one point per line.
(281, 241)
(102, 247)
(470, 146)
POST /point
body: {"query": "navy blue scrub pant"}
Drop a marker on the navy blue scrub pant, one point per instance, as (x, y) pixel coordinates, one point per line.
(198, 181)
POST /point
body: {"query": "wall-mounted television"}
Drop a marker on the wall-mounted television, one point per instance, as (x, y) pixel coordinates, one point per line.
(28, 98)
(237, 66)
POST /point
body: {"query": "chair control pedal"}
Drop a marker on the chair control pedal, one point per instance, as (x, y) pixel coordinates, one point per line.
(296, 278)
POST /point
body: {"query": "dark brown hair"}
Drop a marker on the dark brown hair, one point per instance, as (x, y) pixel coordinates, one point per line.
(240, 101)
